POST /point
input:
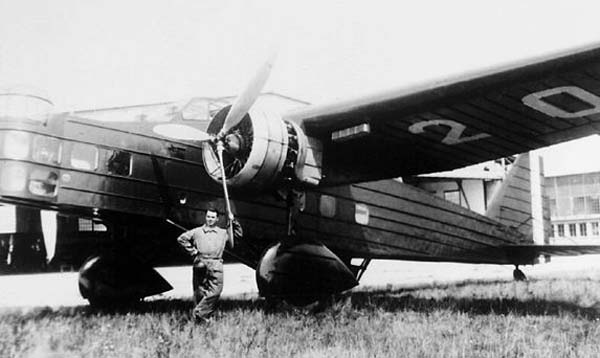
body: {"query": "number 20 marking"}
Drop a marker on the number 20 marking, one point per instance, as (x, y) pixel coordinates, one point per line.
(533, 100)
(536, 101)
(454, 135)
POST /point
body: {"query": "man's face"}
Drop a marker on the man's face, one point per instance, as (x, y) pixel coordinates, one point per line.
(211, 218)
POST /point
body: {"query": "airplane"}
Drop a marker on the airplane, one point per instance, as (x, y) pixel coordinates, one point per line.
(313, 186)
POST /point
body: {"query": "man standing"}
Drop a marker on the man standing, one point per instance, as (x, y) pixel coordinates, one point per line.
(206, 245)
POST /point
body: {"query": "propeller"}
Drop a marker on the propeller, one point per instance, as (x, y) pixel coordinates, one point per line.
(246, 99)
(237, 112)
(220, 149)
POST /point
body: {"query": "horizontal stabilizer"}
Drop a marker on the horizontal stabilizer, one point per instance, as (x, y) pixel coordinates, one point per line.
(526, 254)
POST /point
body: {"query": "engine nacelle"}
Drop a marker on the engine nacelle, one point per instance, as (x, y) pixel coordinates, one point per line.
(263, 149)
(302, 273)
(109, 279)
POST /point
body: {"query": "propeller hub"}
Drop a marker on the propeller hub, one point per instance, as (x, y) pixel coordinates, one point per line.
(233, 142)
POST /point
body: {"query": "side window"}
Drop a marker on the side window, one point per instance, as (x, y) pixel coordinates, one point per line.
(327, 206)
(361, 213)
(84, 156)
(46, 150)
(119, 163)
(43, 182)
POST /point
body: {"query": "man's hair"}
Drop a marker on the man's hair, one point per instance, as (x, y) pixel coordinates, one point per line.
(213, 209)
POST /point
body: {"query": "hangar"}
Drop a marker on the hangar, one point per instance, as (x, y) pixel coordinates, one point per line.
(574, 208)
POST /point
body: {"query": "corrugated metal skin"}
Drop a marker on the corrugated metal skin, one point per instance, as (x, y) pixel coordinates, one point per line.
(406, 222)
(490, 103)
(511, 204)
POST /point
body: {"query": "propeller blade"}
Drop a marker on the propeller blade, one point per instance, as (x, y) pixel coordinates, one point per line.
(220, 149)
(246, 99)
(181, 132)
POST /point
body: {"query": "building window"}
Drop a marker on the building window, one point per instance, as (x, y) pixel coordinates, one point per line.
(561, 230)
(564, 206)
(90, 225)
(84, 156)
(595, 229)
(579, 205)
(572, 230)
(452, 196)
(553, 211)
(582, 229)
(562, 186)
(552, 228)
(593, 205)
(577, 185)
(327, 206)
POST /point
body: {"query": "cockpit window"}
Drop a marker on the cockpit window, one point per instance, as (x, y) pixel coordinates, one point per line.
(155, 113)
(24, 103)
(197, 109)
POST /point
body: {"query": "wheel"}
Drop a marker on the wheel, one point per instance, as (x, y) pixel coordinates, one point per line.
(518, 275)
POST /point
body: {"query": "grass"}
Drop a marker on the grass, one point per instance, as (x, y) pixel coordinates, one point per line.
(539, 318)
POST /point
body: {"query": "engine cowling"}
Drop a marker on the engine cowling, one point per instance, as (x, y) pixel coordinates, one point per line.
(302, 273)
(108, 279)
(259, 151)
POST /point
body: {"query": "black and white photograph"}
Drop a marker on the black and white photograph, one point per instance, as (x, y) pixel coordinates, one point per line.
(299, 179)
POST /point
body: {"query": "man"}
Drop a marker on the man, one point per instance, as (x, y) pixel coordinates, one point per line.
(206, 245)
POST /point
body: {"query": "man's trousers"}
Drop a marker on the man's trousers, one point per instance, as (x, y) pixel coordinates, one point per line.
(207, 280)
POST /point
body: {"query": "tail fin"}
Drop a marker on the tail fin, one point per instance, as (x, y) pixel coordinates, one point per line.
(520, 202)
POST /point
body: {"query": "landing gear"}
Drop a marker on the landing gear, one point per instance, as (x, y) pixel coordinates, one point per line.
(110, 280)
(302, 273)
(518, 275)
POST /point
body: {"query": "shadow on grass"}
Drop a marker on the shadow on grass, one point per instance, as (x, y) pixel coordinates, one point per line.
(406, 299)
(389, 300)
(405, 302)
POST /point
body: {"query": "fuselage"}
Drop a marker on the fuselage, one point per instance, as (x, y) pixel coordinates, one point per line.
(118, 169)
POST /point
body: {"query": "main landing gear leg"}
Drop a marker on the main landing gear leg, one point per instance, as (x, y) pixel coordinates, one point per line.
(518, 275)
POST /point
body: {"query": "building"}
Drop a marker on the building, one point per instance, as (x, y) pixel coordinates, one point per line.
(574, 202)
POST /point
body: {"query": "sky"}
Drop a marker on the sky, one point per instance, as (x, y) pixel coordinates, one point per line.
(112, 53)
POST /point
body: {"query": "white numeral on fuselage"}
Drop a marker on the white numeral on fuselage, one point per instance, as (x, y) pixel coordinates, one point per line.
(454, 135)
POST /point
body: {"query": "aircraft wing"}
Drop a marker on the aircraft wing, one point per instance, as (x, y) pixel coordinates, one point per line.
(458, 122)
(524, 254)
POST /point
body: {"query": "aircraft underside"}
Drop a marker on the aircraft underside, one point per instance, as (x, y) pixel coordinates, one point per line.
(303, 253)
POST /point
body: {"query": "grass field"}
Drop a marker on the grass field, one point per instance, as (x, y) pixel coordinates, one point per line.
(539, 318)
